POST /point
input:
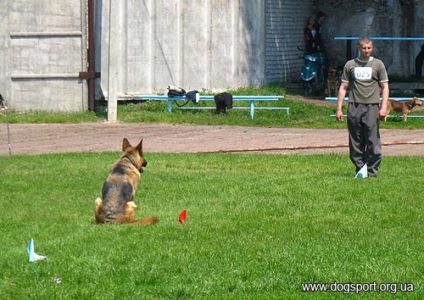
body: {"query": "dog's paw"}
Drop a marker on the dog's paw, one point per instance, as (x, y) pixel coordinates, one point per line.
(131, 204)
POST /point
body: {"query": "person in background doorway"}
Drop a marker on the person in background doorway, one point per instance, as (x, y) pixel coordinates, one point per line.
(310, 34)
(320, 19)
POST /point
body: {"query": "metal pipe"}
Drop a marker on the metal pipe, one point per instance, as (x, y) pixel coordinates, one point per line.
(91, 58)
(382, 38)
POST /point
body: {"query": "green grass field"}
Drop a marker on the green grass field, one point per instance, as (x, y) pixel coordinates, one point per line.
(258, 227)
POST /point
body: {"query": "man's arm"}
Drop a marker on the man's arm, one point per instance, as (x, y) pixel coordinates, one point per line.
(340, 99)
(385, 96)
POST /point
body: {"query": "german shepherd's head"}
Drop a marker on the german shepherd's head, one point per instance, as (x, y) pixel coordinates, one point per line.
(134, 154)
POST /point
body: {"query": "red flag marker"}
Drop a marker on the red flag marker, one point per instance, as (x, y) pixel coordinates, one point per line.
(183, 216)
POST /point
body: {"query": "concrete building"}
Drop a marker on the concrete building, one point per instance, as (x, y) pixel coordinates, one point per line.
(146, 45)
(208, 44)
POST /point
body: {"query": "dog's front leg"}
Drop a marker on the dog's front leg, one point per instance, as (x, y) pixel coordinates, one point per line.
(405, 115)
(130, 211)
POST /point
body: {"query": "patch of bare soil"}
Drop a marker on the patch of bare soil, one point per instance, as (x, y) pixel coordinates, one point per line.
(102, 136)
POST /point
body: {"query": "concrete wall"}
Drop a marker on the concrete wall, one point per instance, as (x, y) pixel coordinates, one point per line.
(202, 44)
(205, 44)
(42, 51)
(210, 44)
(195, 45)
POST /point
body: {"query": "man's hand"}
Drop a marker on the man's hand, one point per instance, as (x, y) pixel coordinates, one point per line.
(383, 111)
(339, 115)
(385, 96)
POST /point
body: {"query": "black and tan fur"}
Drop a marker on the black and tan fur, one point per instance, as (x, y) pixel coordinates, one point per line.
(403, 107)
(117, 205)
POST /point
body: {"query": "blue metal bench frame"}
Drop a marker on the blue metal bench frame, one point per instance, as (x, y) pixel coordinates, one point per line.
(349, 40)
(252, 102)
(400, 99)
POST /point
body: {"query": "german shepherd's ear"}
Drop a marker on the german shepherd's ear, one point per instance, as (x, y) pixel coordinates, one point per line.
(139, 147)
(125, 144)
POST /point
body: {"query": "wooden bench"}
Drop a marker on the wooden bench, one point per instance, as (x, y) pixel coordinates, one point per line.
(251, 99)
(400, 99)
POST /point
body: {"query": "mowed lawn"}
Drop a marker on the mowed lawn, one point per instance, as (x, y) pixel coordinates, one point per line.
(258, 227)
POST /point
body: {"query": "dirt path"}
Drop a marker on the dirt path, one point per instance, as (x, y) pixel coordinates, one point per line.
(55, 138)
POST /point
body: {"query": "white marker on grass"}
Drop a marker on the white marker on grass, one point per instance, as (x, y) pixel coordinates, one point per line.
(31, 254)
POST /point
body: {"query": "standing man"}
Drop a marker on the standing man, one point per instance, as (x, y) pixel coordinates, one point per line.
(367, 78)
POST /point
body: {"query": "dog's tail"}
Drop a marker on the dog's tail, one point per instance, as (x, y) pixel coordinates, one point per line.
(130, 213)
(146, 221)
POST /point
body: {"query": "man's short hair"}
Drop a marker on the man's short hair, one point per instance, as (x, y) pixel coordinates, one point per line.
(364, 40)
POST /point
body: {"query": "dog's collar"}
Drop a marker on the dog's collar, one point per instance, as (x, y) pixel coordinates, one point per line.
(370, 59)
(140, 169)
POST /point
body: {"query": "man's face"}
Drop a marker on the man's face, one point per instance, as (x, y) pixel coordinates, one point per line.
(365, 49)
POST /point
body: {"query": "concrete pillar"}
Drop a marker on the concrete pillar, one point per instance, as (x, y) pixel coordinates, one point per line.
(249, 42)
(115, 38)
(4, 52)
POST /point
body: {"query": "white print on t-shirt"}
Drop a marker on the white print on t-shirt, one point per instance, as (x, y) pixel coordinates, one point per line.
(363, 73)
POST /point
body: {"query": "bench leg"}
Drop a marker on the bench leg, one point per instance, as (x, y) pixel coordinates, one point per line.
(252, 109)
(169, 105)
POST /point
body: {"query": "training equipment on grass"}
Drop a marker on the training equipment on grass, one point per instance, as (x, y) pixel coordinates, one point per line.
(31, 254)
(183, 216)
(363, 172)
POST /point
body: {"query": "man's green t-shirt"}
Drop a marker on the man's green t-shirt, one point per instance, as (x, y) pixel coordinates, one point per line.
(364, 78)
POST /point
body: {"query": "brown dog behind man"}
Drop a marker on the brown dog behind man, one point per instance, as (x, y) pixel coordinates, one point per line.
(402, 107)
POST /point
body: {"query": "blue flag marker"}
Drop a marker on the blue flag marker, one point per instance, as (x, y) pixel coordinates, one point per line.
(31, 253)
(363, 172)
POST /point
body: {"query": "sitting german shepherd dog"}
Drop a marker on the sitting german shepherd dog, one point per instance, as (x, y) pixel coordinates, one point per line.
(117, 205)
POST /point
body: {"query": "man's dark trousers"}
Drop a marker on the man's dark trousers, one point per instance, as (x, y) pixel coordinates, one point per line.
(364, 136)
